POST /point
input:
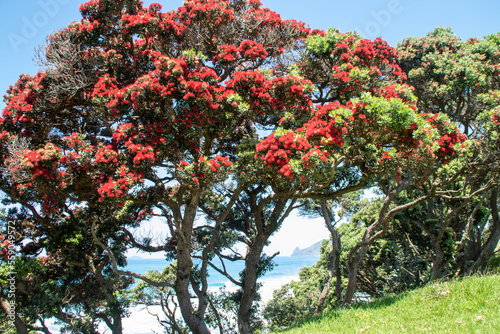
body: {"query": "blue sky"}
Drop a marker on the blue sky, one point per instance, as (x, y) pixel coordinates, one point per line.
(24, 24)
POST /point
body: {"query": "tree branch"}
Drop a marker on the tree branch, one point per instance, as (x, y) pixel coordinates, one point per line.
(124, 272)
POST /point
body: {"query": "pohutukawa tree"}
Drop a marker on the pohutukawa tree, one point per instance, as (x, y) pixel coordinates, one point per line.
(364, 128)
(335, 149)
(143, 113)
(452, 227)
(460, 79)
(143, 107)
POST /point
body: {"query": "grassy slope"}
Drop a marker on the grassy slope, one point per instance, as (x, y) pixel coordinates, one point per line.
(471, 305)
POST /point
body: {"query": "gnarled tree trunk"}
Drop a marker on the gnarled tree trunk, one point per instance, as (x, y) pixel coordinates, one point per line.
(194, 319)
(18, 323)
(494, 238)
(250, 284)
(334, 266)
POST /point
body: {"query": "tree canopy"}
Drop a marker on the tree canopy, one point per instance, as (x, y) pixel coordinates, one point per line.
(218, 110)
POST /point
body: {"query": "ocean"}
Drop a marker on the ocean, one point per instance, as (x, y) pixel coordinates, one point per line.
(285, 267)
(143, 321)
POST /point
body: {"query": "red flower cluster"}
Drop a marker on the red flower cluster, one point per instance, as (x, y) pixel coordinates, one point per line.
(43, 162)
(21, 97)
(447, 142)
(255, 83)
(215, 11)
(194, 117)
(132, 138)
(4, 245)
(402, 92)
(496, 119)
(85, 26)
(332, 125)
(355, 64)
(449, 136)
(106, 90)
(198, 90)
(50, 204)
(386, 155)
(318, 137)
(119, 187)
(226, 54)
(253, 50)
(123, 132)
(216, 164)
(269, 96)
(90, 5)
(144, 153)
(107, 155)
(168, 68)
(269, 19)
(144, 214)
(203, 169)
(140, 19)
(340, 74)
(289, 93)
(276, 151)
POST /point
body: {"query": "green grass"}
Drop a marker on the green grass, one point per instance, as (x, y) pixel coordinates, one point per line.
(470, 305)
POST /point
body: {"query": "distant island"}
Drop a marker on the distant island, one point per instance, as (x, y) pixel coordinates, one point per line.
(313, 250)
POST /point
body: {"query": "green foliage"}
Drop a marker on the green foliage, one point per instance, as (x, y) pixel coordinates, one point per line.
(323, 45)
(298, 299)
(57, 282)
(494, 264)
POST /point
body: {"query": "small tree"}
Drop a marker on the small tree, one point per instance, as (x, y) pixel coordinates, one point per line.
(55, 266)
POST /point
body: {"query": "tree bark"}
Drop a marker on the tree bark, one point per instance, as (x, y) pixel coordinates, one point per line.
(333, 273)
(117, 327)
(18, 323)
(353, 266)
(437, 262)
(184, 266)
(115, 323)
(194, 320)
(252, 260)
(492, 242)
(334, 266)
(358, 252)
(338, 275)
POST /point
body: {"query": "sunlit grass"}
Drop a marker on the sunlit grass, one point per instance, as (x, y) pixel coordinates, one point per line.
(471, 305)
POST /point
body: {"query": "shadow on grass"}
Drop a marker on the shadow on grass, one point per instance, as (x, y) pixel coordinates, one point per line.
(380, 302)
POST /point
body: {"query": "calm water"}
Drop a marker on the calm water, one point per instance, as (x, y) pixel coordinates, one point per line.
(285, 267)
